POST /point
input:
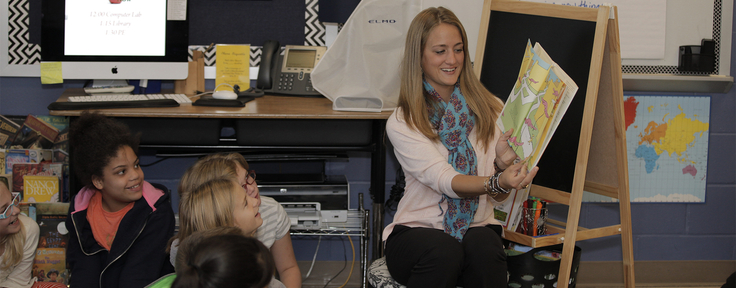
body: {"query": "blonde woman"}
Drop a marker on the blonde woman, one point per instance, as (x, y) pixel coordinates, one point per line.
(457, 164)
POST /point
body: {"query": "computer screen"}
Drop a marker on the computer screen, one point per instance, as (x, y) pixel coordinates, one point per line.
(116, 39)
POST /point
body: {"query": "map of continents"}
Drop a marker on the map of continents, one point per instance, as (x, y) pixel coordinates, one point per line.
(667, 146)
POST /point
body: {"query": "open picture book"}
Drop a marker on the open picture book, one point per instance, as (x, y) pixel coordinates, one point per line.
(540, 97)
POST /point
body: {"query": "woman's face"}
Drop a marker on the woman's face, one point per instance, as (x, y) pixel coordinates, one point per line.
(122, 180)
(245, 210)
(443, 58)
(11, 224)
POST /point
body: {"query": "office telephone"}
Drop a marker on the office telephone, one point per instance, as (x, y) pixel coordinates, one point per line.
(287, 73)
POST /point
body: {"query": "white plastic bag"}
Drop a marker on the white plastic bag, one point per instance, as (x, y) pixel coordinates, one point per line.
(360, 70)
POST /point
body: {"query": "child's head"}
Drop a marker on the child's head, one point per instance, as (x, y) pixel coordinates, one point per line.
(216, 203)
(12, 233)
(217, 165)
(223, 257)
(106, 157)
(204, 170)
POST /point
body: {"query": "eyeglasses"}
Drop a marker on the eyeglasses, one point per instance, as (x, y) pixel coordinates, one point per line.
(8, 211)
(250, 178)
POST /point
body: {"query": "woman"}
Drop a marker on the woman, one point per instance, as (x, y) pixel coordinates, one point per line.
(456, 161)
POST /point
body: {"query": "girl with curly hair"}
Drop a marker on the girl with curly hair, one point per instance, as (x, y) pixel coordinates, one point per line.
(119, 224)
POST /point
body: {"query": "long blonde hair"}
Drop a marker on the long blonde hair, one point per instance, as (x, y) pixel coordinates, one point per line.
(413, 99)
(14, 244)
(207, 206)
(204, 170)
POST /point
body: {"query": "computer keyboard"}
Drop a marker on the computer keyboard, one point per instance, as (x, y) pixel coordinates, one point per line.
(120, 101)
(179, 98)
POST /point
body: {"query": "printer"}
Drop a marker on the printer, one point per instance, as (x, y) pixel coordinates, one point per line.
(331, 192)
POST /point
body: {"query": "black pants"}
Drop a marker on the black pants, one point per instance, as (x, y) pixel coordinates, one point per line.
(425, 257)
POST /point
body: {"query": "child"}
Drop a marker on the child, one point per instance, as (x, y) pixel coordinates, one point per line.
(19, 238)
(119, 223)
(220, 257)
(274, 233)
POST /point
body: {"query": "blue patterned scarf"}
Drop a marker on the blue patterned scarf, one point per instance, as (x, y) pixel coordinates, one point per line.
(454, 121)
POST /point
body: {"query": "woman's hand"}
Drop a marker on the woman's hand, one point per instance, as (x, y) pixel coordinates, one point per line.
(516, 176)
(505, 156)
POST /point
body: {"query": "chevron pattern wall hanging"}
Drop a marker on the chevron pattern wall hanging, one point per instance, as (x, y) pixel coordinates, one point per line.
(314, 31)
(20, 52)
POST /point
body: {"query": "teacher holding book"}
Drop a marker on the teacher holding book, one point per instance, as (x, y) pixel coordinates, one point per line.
(457, 164)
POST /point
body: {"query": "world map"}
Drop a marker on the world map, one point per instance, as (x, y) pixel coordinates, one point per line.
(667, 147)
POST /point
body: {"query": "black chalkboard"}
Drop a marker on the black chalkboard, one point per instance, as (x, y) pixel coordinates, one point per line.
(569, 42)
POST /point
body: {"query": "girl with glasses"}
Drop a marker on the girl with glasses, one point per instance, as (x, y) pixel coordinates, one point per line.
(274, 233)
(118, 223)
(18, 241)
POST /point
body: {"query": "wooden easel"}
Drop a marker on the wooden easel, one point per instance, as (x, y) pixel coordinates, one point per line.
(601, 163)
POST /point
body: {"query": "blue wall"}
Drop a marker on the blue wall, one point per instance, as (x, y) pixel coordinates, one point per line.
(661, 231)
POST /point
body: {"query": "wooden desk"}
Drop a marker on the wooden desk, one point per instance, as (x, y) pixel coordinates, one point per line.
(279, 107)
(270, 109)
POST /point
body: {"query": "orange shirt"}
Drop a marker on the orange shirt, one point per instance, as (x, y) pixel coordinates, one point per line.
(104, 224)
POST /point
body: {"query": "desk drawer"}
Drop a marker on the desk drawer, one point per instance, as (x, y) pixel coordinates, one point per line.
(303, 132)
(175, 131)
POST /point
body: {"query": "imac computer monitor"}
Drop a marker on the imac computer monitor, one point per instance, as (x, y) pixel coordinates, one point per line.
(116, 39)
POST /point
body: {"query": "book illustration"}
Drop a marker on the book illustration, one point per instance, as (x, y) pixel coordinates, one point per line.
(536, 104)
(40, 189)
(35, 134)
(14, 156)
(21, 170)
(50, 260)
(8, 129)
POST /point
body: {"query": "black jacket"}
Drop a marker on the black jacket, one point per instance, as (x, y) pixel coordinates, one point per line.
(137, 256)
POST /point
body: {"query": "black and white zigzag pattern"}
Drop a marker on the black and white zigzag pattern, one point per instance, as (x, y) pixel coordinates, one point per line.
(20, 52)
(314, 31)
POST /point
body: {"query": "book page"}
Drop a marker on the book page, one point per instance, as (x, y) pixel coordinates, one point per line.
(531, 109)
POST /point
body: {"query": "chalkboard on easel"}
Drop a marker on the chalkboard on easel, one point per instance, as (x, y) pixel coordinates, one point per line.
(570, 44)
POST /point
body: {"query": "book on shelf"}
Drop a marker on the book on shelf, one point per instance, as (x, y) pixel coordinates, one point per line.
(540, 97)
(40, 189)
(61, 123)
(35, 134)
(8, 129)
(23, 170)
(13, 156)
(50, 260)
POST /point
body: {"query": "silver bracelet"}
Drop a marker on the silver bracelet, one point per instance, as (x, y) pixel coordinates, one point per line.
(496, 187)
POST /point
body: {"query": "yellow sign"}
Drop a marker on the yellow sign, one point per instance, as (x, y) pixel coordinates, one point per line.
(51, 73)
(232, 66)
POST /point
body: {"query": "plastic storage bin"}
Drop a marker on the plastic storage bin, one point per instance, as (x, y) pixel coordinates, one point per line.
(527, 271)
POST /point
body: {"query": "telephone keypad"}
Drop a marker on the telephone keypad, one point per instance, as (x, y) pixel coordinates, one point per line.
(286, 82)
